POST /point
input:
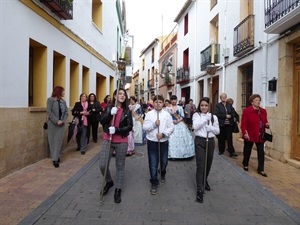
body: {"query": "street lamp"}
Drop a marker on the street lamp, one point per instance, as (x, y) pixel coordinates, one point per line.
(212, 69)
(166, 72)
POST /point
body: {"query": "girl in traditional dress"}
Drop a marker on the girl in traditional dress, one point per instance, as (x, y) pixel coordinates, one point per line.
(181, 143)
(136, 111)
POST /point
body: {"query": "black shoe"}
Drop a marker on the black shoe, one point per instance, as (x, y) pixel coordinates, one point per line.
(221, 153)
(233, 155)
(207, 187)
(262, 173)
(199, 196)
(246, 168)
(95, 141)
(107, 186)
(82, 153)
(58, 160)
(162, 179)
(55, 164)
(78, 149)
(153, 189)
(117, 196)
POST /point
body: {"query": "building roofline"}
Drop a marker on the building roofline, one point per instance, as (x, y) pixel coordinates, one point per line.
(183, 9)
(148, 47)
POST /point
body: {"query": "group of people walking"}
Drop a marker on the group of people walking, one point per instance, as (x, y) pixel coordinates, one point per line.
(166, 133)
(86, 114)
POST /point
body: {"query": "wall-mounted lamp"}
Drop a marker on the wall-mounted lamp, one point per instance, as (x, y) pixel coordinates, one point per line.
(169, 69)
(272, 84)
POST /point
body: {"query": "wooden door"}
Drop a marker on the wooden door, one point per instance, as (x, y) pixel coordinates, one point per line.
(296, 103)
(215, 93)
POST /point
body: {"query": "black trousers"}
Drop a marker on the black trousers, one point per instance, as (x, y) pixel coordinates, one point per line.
(94, 126)
(260, 154)
(225, 135)
(200, 150)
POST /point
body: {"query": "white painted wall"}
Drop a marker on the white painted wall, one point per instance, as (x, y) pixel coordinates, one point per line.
(17, 30)
(147, 55)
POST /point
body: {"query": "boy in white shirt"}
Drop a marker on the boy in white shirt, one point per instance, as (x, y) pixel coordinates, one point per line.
(158, 125)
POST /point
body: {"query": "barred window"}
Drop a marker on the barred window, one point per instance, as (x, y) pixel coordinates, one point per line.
(247, 82)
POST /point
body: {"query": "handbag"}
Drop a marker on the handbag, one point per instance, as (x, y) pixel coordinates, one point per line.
(266, 136)
(235, 128)
(79, 127)
(45, 126)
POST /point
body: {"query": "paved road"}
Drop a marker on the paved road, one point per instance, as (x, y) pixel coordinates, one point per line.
(235, 199)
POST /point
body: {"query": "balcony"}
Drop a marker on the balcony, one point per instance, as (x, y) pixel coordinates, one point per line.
(62, 8)
(183, 75)
(281, 15)
(243, 37)
(168, 80)
(150, 84)
(141, 89)
(206, 56)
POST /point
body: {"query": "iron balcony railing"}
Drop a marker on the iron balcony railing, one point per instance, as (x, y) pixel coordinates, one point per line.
(183, 74)
(277, 9)
(243, 38)
(206, 56)
(62, 8)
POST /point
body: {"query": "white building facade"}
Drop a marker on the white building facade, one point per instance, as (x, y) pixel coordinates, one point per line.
(244, 48)
(66, 43)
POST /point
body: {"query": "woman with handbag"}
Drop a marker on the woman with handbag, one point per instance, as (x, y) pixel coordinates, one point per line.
(82, 110)
(254, 123)
(57, 111)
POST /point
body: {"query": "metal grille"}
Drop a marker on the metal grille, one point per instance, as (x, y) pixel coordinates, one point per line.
(247, 83)
(201, 89)
(277, 9)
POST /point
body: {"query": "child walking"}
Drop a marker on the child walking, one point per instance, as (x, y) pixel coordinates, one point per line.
(205, 126)
(158, 126)
(118, 132)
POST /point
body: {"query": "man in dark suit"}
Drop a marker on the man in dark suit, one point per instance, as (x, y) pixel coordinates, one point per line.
(225, 114)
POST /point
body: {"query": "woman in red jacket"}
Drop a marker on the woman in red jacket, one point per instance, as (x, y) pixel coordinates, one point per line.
(254, 121)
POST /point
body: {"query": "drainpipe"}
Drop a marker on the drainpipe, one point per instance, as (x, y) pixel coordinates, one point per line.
(264, 76)
(195, 54)
(223, 76)
(224, 49)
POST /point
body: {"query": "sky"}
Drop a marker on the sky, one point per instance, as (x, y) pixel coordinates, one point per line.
(147, 20)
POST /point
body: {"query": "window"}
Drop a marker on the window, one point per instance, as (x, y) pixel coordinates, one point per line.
(186, 24)
(152, 55)
(186, 59)
(213, 3)
(37, 93)
(74, 82)
(59, 69)
(201, 89)
(143, 64)
(97, 13)
(85, 79)
(247, 82)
